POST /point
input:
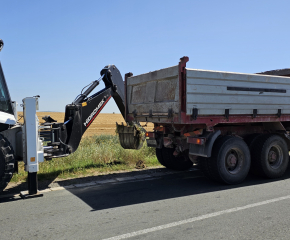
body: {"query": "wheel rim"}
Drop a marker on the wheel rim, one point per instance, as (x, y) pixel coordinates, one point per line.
(234, 161)
(275, 156)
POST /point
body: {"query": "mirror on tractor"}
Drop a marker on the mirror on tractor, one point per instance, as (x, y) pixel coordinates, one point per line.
(1, 44)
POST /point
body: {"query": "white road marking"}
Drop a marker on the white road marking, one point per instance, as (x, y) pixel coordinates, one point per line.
(190, 220)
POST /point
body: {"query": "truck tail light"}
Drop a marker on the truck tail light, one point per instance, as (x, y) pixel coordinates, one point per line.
(198, 141)
(150, 134)
(159, 129)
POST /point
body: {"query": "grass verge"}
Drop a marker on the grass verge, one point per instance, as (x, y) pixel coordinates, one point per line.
(95, 155)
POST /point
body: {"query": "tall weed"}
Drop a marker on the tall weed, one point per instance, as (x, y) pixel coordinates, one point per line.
(95, 154)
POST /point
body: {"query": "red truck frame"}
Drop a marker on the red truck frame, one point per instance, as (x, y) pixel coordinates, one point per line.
(223, 146)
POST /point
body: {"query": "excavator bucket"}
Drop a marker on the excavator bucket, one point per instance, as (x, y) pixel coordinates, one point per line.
(132, 136)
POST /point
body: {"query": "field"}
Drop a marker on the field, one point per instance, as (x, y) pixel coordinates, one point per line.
(99, 152)
(104, 123)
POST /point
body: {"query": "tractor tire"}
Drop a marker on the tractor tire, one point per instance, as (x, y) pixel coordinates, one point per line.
(270, 156)
(7, 161)
(230, 161)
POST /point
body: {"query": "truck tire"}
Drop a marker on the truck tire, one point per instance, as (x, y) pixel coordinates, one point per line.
(167, 159)
(7, 161)
(160, 157)
(230, 161)
(205, 167)
(270, 156)
(250, 139)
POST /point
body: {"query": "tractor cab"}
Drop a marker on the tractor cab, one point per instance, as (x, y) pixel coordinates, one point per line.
(7, 116)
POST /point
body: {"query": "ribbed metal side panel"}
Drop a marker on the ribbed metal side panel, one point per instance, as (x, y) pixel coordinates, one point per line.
(211, 92)
(156, 91)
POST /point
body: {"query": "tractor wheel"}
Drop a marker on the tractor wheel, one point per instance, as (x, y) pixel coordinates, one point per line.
(7, 161)
(230, 161)
(270, 156)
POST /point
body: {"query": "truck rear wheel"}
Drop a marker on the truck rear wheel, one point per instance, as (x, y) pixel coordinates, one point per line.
(160, 157)
(167, 159)
(249, 140)
(270, 156)
(7, 161)
(230, 161)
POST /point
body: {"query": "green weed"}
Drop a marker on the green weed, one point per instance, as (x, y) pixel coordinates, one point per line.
(95, 155)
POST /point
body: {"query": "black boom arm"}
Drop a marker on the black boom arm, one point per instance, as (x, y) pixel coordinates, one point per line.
(64, 138)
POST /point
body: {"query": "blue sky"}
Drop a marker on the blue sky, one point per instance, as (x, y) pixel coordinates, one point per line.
(55, 48)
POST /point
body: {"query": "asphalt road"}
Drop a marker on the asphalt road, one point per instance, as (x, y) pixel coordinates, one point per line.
(177, 206)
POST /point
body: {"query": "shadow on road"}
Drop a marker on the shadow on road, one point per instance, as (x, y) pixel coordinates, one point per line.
(165, 187)
(112, 195)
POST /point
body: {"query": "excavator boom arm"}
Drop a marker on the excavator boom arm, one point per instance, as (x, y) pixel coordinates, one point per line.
(64, 138)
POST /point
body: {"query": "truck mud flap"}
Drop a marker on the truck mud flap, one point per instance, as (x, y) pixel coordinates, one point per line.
(204, 150)
(131, 137)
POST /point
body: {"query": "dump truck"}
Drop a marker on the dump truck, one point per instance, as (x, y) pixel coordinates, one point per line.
(225, 123)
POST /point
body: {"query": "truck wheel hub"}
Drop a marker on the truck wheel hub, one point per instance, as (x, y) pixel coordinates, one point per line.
(272, 156)
(232, 160)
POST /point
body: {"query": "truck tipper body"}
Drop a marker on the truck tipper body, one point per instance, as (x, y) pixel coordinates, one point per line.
(224, 122)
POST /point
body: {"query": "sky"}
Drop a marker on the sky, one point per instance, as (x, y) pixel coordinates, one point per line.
(55, 48)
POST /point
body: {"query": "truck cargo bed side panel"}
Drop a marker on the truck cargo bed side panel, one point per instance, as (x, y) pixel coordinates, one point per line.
(211, 92)
(154, 92)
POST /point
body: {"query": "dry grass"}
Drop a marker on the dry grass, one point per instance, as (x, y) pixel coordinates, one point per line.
(104, 123)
